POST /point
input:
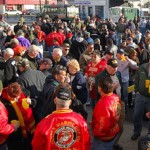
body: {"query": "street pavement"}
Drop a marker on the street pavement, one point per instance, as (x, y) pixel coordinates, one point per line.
(12, 20)
(125, 140)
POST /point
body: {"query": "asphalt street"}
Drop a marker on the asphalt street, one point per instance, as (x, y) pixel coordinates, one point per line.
(12, 20)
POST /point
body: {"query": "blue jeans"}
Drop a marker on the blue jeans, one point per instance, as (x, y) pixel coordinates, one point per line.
(3, 146)
(142, 30)
(97, 144)
(141, 104)
(125, 91)
(93, 102)
(50, 49)
(119, 38)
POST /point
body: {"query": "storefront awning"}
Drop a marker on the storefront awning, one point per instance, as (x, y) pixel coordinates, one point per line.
(10, 7)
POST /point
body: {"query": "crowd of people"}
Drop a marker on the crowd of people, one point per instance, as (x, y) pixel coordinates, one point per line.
(51, 69)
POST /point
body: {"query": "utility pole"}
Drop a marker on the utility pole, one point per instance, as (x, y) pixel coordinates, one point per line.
(40, 6)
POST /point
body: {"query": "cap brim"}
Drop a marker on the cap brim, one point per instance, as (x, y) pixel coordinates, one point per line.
(114, 66)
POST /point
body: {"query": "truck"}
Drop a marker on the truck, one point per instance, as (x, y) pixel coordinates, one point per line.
(63, 12)
(129, 12)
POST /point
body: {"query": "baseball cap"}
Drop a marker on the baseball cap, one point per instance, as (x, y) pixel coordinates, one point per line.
(120, 51)
(46, 61)
(23, 63)
(79, 34)
(112, 29)
(112, 62)
(64, 93)
(129, 38)
(109, 52)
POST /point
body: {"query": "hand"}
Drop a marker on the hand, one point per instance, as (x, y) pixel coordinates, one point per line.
(115, 85)
(67, 78)
(86, 77)
(148, 115)
(29, 101)
(16, 124)
(126, 57)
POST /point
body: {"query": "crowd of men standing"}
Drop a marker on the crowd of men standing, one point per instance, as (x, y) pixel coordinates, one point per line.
(43, 98)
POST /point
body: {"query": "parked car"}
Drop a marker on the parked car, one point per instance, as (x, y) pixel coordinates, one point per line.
(12, 12)
(27, 11)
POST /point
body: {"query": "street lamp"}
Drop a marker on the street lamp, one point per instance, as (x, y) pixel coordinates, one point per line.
(5, 4)
(140, 5)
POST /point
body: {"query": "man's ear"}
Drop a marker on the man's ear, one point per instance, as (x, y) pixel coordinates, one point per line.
(55, 101)
(99, 90)
(70, 102)
(56, 76)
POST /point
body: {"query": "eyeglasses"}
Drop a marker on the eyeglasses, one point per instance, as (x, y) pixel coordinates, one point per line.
(67, 49)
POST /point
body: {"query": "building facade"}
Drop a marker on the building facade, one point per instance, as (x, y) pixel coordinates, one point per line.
(92, 7)
(25, 4)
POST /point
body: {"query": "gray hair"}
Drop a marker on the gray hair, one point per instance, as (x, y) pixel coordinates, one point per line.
(33, 48)
(20, 33)
(9, 51)
(62, 103)
(58, 51)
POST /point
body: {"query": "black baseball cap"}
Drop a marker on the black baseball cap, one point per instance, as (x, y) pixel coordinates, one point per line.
(109, 52)
(112, 62)
(64, 94)
(120, 51)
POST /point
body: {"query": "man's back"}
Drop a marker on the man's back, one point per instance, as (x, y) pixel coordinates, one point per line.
(63, 129)
(32, 82)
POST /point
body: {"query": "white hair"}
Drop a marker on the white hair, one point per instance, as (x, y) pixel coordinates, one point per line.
(9, 51)
(33, 48)
(58, 51)
(62, 103)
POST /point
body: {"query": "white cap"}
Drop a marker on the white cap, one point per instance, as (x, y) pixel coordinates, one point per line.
(9, 51)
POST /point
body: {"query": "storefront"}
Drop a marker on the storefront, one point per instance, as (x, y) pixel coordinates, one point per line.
(92, 8)
(23, 4)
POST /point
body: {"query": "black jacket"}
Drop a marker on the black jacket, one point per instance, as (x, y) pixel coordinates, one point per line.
(10, 71)
(32, 82)
(48, 90)
(79, 87)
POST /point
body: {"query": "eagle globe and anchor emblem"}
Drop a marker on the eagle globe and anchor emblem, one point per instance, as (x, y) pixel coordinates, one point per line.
(65, 136)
